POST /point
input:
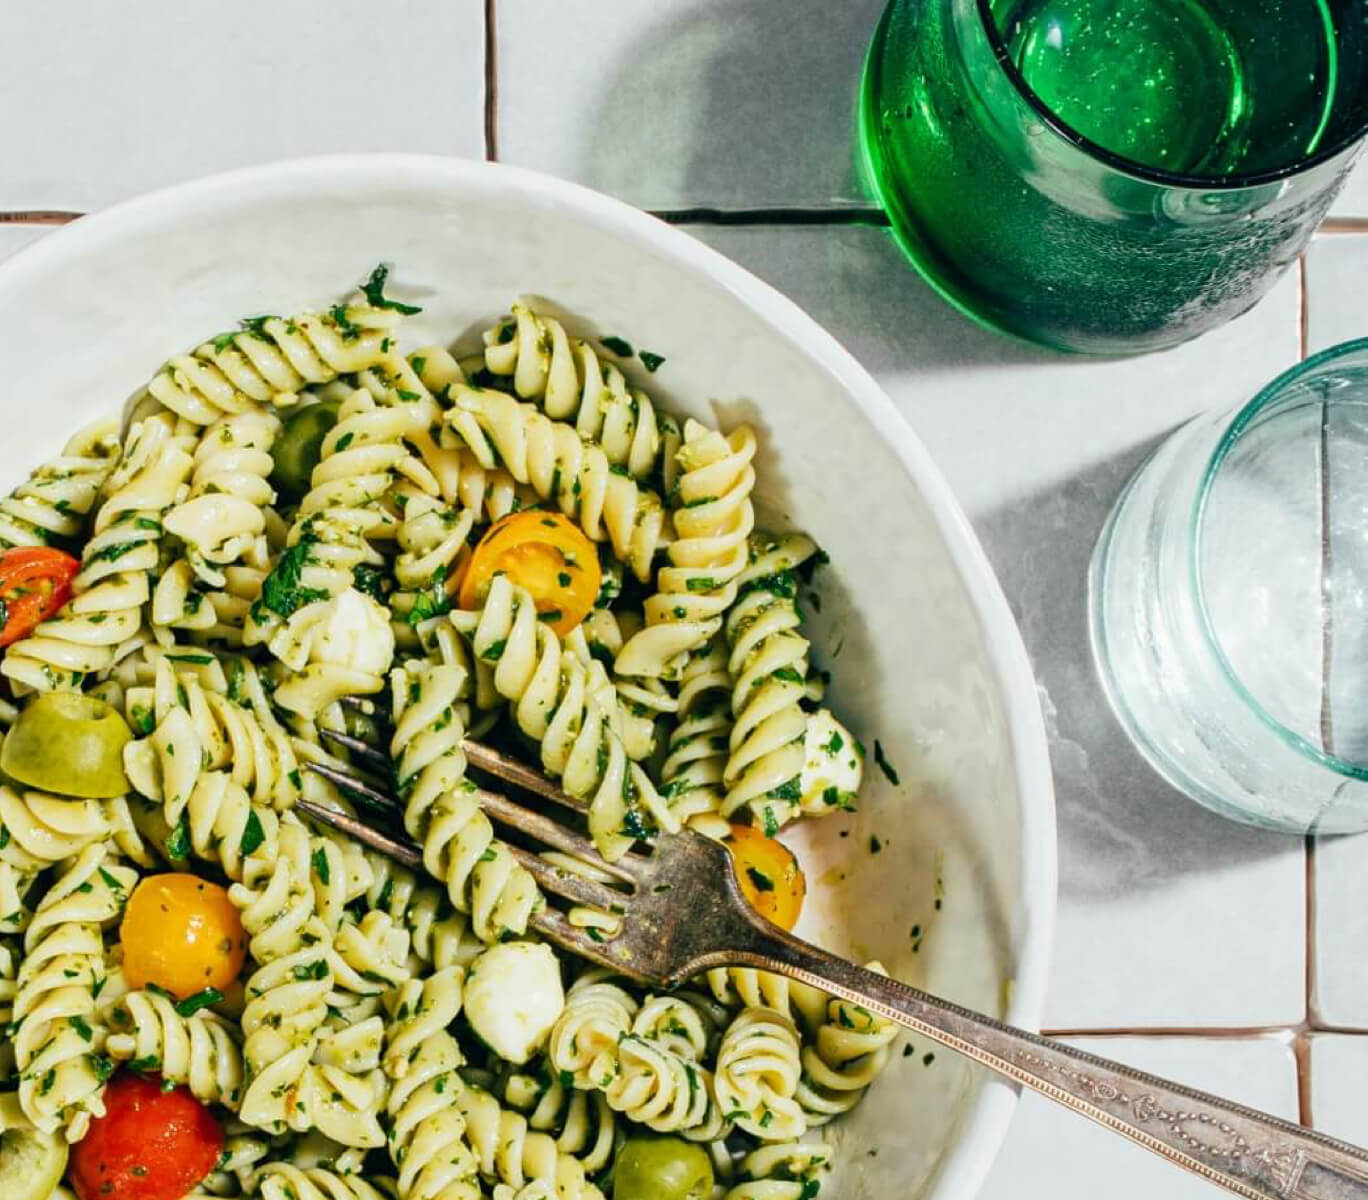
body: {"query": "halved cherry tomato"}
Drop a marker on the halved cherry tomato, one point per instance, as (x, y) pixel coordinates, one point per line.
(544, 552)
(35, 582)
(770, 876)
(183, 934)
(149, 1145)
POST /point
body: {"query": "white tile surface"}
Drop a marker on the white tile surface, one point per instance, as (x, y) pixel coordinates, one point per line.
(1336, 270)
(683, 103)
(1353, 200)
(1169, 916)
(100, 101)
(16, 237)
(1051, 1152)
(1340, 987)
(1339, 1067)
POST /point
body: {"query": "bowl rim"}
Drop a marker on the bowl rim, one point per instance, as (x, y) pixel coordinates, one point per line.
(963, 1171)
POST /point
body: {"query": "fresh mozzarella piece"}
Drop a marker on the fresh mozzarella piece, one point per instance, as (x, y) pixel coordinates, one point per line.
(833, 764)
(355, 632)
(513, 996)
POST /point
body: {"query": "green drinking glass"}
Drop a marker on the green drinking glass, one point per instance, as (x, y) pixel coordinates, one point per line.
(1111, 176)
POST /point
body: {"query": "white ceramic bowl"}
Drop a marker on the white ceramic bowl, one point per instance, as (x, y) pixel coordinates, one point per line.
(924, 650)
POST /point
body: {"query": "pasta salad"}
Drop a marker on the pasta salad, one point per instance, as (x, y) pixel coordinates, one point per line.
(302, 527)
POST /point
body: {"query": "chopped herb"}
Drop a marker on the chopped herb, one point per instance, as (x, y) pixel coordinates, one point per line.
(200, 659)
(374, 291)
(788, 675)
(928, 1058)
(884, 765)
(4, 837)
(701, 583)
(81, 1026)
(141, 1066)
(113, 552)
(594, 934)
(792, 790)
(650, 360)
(369, 580)
(313, 970)
(908, 1051)
(833, 746)
(418, 362)
(874, 845)
(404, 394)
(252, 835)
(203, 999)
(344, 441)
(48, 1080)
(110, 881)
(550, 616)
(256, 326)
(102, 1065)
(224, 341)
(619, 346)
(281, 591)
(489, 855)
(342, 319)
(494, 651)
(771, 822)
(762, 882)
(320, 866)
(178, 840)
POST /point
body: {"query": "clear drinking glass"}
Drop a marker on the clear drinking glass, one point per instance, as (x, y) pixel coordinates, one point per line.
(1111, 176)
(1229, 603)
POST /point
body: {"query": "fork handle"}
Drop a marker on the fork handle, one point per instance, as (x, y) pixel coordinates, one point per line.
(1251, 1153)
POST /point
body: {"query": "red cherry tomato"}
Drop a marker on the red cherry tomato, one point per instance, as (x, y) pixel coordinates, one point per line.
(149, 1145)
(34, 583)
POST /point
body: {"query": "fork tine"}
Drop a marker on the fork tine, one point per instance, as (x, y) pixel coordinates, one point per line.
(573, 887)
(510, 770)
(552, 833)
(368, 707)
(370, 756)
(353, 786)
(401, 851)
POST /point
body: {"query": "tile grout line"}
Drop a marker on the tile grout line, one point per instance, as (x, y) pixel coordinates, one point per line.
(39, 217)
(491, 98)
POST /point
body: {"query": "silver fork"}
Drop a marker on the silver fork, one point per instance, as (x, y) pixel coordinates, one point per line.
(683, 913)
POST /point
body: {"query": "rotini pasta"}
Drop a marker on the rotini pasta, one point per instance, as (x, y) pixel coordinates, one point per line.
(560, 467)
(52, 504)
(200, 1051)
(56, 1043)
(294, 539)
(758, 1070)
(712, 519)
(442, 812)
(569, 381)
(567, 704)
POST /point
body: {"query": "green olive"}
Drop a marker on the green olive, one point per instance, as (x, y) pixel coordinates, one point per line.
(31, 1163)
(662, 1168)
(298, 447)
(68, 743)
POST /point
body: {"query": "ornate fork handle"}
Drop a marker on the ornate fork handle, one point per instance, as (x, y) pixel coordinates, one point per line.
(1251, 1153)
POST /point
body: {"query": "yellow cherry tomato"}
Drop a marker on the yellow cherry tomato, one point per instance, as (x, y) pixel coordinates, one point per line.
(547, 554)
(770, 877)
(183, 934)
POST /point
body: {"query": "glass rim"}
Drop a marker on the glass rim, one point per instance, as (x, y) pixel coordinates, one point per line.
(1210, 183)
(1234, 430)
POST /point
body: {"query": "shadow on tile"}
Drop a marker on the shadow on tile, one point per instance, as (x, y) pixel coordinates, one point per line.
(736, 105)
(858, 284)
(1121, 827)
